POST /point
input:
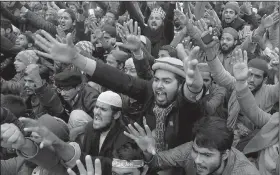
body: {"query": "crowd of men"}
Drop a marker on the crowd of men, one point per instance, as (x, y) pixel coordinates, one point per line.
(136, 88)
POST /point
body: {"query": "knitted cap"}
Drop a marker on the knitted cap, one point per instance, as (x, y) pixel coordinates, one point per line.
(55, 125)
(259, 64)
(170, 64)
(110, 98)
(234, 6)
(27, 57)
(231, 31)
(85, 48)
(68, 79)
(119, 55)
(159, 11)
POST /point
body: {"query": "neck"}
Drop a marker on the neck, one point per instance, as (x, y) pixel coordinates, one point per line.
(221, 169)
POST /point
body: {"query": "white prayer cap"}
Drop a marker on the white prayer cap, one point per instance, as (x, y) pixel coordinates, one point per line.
(129, 63)
(110, 98)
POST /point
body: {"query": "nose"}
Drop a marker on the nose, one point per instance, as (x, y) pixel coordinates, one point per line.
(198, 159)
(160, 84)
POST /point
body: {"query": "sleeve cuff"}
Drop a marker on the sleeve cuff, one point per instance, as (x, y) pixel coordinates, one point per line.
(71, 163)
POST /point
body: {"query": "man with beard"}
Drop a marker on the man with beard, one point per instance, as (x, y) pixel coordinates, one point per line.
(103, 135)
(160, 28)
(207, 154)
(39, 96)
(168, 97)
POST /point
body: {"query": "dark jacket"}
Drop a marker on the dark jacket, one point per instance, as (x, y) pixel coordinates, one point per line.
(237, 24)
(45, 100)
(86, 99)
(180, 120)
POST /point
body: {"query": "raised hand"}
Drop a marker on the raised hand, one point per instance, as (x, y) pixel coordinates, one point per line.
(240, 67)
(133, 33)
(48, 138)
(11, 136)
(143, 137)
(274, 59)
(89, 170)
(33, 72)
(65, 53)
(268, 21)
(248, 7)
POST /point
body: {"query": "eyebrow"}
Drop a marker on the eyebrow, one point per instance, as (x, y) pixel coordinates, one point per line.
(201, 152)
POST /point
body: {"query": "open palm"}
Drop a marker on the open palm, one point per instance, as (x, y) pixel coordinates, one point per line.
(268, 21)
(240, 68)
(55, 50)
(143, 137)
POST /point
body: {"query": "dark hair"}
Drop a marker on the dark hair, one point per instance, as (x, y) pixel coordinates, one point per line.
(29, 37)
(15, 104)
(128, 151)
(171, 50)
(179, 79)
(213, 133)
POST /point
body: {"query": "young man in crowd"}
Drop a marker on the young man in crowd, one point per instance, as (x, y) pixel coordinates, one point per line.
(207, 154)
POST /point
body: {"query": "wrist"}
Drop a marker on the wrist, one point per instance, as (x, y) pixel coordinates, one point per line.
(240, 84)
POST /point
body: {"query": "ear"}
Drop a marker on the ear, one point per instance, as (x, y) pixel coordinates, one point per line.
(117, 115)
(225, 155)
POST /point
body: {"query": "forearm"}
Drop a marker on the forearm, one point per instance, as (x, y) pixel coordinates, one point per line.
(178, 38)
(142, 67)
(220, 75)
(193, 93)
(249, 106)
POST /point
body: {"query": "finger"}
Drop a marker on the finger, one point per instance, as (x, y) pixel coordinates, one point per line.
(126, 29)
(130, 136)
(70, 171)
(135, 28)
(89, 165)
(43, 40)
(194, 52)
(139, 31)
(42, 45)
(28, 122)
(204, 25)
(81, 167)
(14, 137)
(42, 145)
(48, 36)
(148, 130)
(97, 165)
(5, 127)
(32, 129)
(245, 56)
(240, 55)
(200, 26)
(133, 131)
(131, 26)
(182, 55)
(6, 135)
(43, 54)
(140, 129)
(69, 40)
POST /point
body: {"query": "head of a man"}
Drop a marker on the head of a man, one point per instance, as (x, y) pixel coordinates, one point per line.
(106, 111)
(167, 51)
(128, 159)
(15, 104)
(67, 20)
(156, 19)
(210, 152)
(117, 59)
(109, 36)
(68, 84)
(228, 40)
(258, 74)
(169, 76)
(51, 15)
(25, 40)
(30, 84)
(110, 18)
(25, 58)
(129, 68)
(206, 75)
(231, 12)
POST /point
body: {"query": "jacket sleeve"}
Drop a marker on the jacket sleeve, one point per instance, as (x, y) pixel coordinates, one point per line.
(213, 103)
(40, 23)
(120, 82)
(168, 23)
(176, 157)
(135, 14)
(11, 166)
(272, 93)
(220, 75)
(12, 86)
(143, 68)
(249, 106)
(49, 99)
(90, 98)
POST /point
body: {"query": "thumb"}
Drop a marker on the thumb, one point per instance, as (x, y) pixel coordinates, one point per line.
(69, 40)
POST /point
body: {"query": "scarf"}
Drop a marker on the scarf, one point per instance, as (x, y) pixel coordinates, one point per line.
(160, 114)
